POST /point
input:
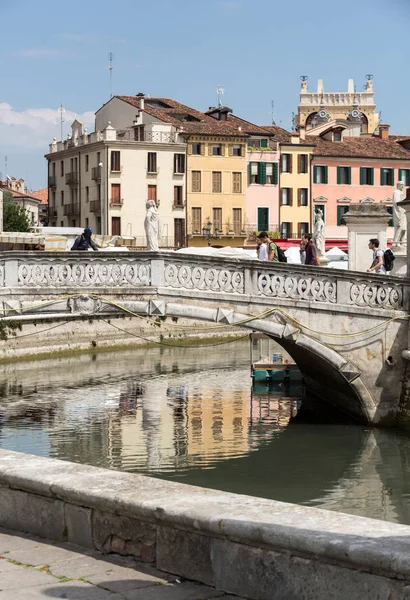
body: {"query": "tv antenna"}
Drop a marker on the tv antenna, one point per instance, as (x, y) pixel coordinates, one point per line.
(61, 110)
(220, 92)
(293, 122)
(272, 114)
(111, 58)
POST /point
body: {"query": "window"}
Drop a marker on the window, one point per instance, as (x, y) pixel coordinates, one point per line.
(61, 168)
(286, 197)
(196, 181)
(216, 182)
(366, 176)
(61, 223)
(237, 220)
(152, 192)
(344, 176)
(386, 176)
(320, 174)
(115, 193)
(217, 150)
(179, 163)
(86, 222)
(179, 233)
(237, 150)
(217, 219)
(341, 210)
(258, 143)
(303, 197)
(178, 196)
(253, 172)
(337, 136)
(272, 173)
(87, 162)
(303, 229)
(115, 160)
(237, 183)
(53, 169)
(115, 225)
(322, 207)
(263, 219)
(53, 199)
(303, 163)
(196, 148)
(152, 162)
(62, 198)
(404, 176)
(286, 163)
(139, 134)
(196, 220)
(87, 193)
(286, 230)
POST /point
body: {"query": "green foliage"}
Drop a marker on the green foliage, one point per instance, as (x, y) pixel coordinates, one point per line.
(8, 328)
(15, 217)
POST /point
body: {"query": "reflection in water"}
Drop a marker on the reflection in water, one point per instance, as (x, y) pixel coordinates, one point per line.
(189, 415)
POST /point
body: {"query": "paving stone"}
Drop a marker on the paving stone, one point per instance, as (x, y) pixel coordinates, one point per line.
(23, 578)
(72, 590)
(5, 565)
(10, 542)
(119, 579)
(184, 591)
(42, 554)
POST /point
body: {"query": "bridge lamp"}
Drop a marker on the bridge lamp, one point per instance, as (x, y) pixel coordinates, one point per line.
(206, 231)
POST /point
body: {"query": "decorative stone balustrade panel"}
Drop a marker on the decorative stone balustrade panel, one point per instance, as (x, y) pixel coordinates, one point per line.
(85, 274)
(1, 275)
(193, 277)
(297, 287)
(377, 295)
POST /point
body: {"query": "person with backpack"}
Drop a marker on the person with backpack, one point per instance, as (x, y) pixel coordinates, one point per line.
(84, 241)
(377, 265)
(275, 253)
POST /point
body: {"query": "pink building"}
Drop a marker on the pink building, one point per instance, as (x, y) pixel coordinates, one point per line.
(347, 169)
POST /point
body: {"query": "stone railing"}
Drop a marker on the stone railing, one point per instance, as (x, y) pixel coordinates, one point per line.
(52, 272)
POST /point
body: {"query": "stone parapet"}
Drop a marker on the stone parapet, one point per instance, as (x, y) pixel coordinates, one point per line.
(252, 547)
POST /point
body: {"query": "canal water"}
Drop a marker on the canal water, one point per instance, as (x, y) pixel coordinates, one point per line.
(189, 415)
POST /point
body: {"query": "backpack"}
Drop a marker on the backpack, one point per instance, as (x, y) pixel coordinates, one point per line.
(281, 254)
(388, 259)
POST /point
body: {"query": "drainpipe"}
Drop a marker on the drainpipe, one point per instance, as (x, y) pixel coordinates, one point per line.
(106, 189)
(79, 184)
(100, 166)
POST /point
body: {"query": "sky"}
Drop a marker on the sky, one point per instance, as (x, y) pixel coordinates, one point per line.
(58, 53)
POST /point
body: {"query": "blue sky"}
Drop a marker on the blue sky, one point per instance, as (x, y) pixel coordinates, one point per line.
(55, 53)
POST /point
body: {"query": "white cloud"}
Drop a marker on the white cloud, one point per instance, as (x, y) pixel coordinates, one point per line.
(41, 53)
(35, 127)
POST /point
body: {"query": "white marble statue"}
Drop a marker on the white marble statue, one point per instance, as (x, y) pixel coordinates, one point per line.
(151, 225)
(399, 216)
(319, 233)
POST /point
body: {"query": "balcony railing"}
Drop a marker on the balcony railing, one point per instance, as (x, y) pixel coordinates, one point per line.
(71, 210)
(156, 137)
(116, 201)
(52, 181)
(95, 206)
(95, 174)
(71, 178)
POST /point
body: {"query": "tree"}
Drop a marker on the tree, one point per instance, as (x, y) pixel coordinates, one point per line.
(15, 217)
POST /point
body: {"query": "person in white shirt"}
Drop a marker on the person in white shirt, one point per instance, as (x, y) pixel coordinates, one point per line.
(377, 265)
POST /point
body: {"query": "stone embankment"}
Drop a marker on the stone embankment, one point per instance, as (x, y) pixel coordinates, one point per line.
(251, 547)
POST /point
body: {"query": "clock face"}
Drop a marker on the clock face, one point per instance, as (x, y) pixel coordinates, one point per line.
(322, 114)
(355, 113)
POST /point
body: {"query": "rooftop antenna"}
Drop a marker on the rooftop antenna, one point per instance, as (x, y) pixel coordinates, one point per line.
(293, 122)
(273, 113)
(111, 58)
(61, 110)
(220, 92)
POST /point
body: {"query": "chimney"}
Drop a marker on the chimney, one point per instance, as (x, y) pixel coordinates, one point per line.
(384, 131)
(141, 97)
(302, 132)
(320, 88)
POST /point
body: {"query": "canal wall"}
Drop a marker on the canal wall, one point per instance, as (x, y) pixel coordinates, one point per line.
(252, 547)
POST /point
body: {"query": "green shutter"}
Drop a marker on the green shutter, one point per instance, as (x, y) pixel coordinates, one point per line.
(349, 175)
(250, 173)
(326, 176)
(339, 215)
(314, 174)
(275, 173)
(401, 174)
(382, 177)
(391, 176)
(264, 143)
(262, 173)
(362, 172)
(372, 176)
(339, 175)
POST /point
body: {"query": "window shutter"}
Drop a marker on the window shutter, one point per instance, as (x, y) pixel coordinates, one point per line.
(339, 215)
(391, 176)
(275, 173)
(299, 163)
(326, 176)
(250, 173)
(262, 173)
(372, 176)
(362, 172)
(222, 149)
(339, 175)
(281, 163)
(230, 150)
(210, 149)
(290, 163)
(202, 148)
(349, 175)
(299, 197)
(290, 196)
(189, 148)
(264, 143)
(382, 178)
(314, 174)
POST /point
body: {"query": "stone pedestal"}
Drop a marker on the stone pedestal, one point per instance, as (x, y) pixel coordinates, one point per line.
(364, 221)
(400, 264)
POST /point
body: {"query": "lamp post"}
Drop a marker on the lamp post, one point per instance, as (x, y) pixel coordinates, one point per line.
(100, 166)
(206, 231)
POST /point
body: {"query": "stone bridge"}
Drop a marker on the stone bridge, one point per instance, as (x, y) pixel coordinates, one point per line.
(346, 330)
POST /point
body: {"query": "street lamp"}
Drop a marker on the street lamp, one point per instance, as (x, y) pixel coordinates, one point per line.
(206, 231)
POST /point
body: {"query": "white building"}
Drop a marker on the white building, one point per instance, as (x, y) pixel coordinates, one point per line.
(103, 179)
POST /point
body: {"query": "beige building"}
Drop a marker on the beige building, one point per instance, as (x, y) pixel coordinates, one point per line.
(103, 179)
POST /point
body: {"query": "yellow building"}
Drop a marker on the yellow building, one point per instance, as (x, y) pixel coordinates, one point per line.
(320, 106)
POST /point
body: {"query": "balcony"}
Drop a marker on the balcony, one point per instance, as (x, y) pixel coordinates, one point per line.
(95, 174)
(95, 206)
(71, 178)
(52, 181)
(72, 210)
(116, 201)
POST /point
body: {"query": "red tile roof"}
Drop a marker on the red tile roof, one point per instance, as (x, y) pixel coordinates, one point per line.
(19, 194)
(361, 147)
(41, 195)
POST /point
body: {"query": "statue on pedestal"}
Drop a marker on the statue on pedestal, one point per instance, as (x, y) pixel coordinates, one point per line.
(319, 233)
(399, 216)
(151, 225)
